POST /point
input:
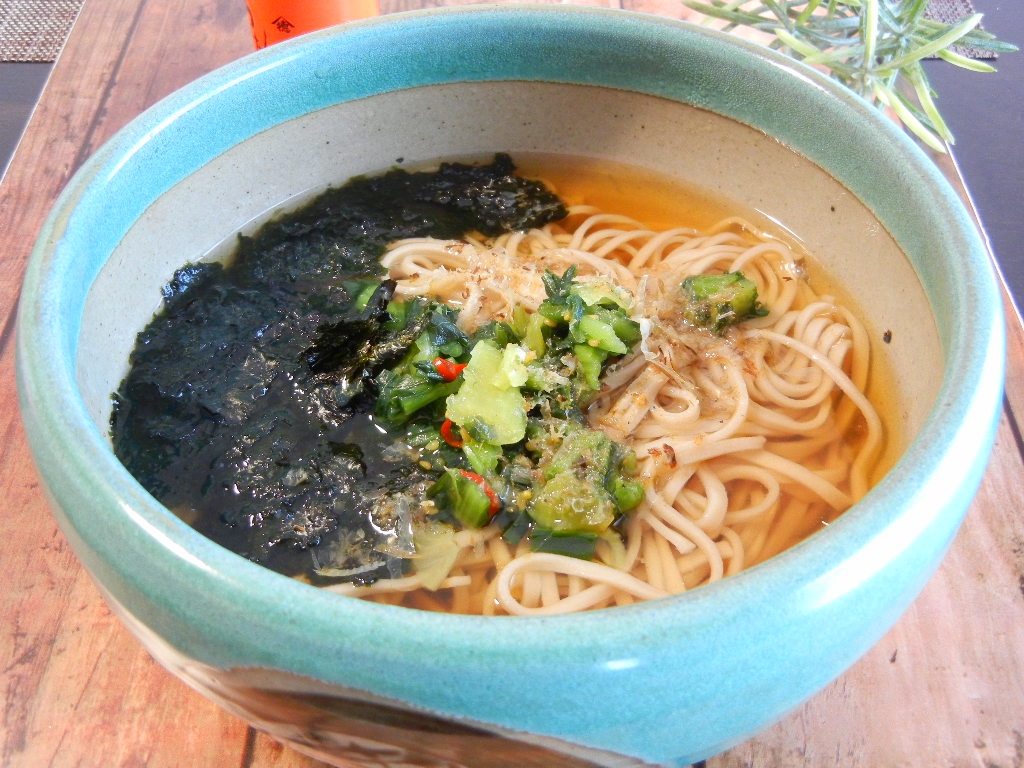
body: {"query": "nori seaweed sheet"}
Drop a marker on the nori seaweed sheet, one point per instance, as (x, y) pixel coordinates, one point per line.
(225, 415)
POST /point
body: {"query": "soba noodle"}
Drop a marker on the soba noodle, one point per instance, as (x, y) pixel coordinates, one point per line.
(747, 442)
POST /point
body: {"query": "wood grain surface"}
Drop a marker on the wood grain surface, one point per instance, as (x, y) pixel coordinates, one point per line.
(945, 687)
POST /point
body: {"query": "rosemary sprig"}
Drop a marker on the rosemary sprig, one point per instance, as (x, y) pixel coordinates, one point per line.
(874, 47)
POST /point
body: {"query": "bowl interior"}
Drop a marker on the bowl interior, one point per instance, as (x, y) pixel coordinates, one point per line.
(278, 168)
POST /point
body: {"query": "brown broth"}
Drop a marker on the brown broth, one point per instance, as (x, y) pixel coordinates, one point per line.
(661, 201)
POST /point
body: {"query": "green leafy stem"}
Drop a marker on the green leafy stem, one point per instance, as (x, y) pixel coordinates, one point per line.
(874, 47)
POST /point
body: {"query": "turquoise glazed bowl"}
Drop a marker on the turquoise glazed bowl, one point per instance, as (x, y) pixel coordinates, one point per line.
(665, 682)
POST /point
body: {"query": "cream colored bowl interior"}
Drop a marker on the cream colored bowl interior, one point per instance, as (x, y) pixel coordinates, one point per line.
(287, 164)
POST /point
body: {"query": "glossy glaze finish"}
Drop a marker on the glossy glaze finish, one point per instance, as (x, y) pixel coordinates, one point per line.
(668, 681)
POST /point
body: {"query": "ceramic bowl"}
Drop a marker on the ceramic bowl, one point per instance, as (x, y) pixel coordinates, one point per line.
(666, 682)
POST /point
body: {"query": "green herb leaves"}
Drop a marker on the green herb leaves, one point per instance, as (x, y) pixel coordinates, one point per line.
(874, 47)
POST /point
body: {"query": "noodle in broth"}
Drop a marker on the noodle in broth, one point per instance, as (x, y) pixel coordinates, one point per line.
(747, 441)
(332, 420)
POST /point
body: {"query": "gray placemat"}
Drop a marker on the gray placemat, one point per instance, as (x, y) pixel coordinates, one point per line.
(35, 30)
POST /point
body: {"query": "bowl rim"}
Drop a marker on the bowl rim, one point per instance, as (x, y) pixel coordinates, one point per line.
(60, 429)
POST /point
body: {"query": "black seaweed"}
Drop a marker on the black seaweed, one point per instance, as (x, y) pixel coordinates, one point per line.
(244, 408)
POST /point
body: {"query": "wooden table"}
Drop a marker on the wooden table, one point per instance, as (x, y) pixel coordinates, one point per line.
(945, 687)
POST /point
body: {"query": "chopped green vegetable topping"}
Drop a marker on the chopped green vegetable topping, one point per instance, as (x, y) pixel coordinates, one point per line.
(568, 503)
(436, 552)
(581, 545)
(588, 484)
(504, 414)
(460, 497)
(488, 405)
(715, 302)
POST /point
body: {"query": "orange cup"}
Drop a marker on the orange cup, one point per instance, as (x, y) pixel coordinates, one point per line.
(276, 20)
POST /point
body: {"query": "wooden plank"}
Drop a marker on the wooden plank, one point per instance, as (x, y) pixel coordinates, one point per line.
(64, 129)
(202, 35)
(67, 661)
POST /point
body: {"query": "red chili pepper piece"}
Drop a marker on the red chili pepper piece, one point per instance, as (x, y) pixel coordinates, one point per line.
(495, 501)
(448, 433)
(449, 370)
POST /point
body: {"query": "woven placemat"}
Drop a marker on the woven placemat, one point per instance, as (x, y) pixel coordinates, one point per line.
(950, 12)
(35, 30)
